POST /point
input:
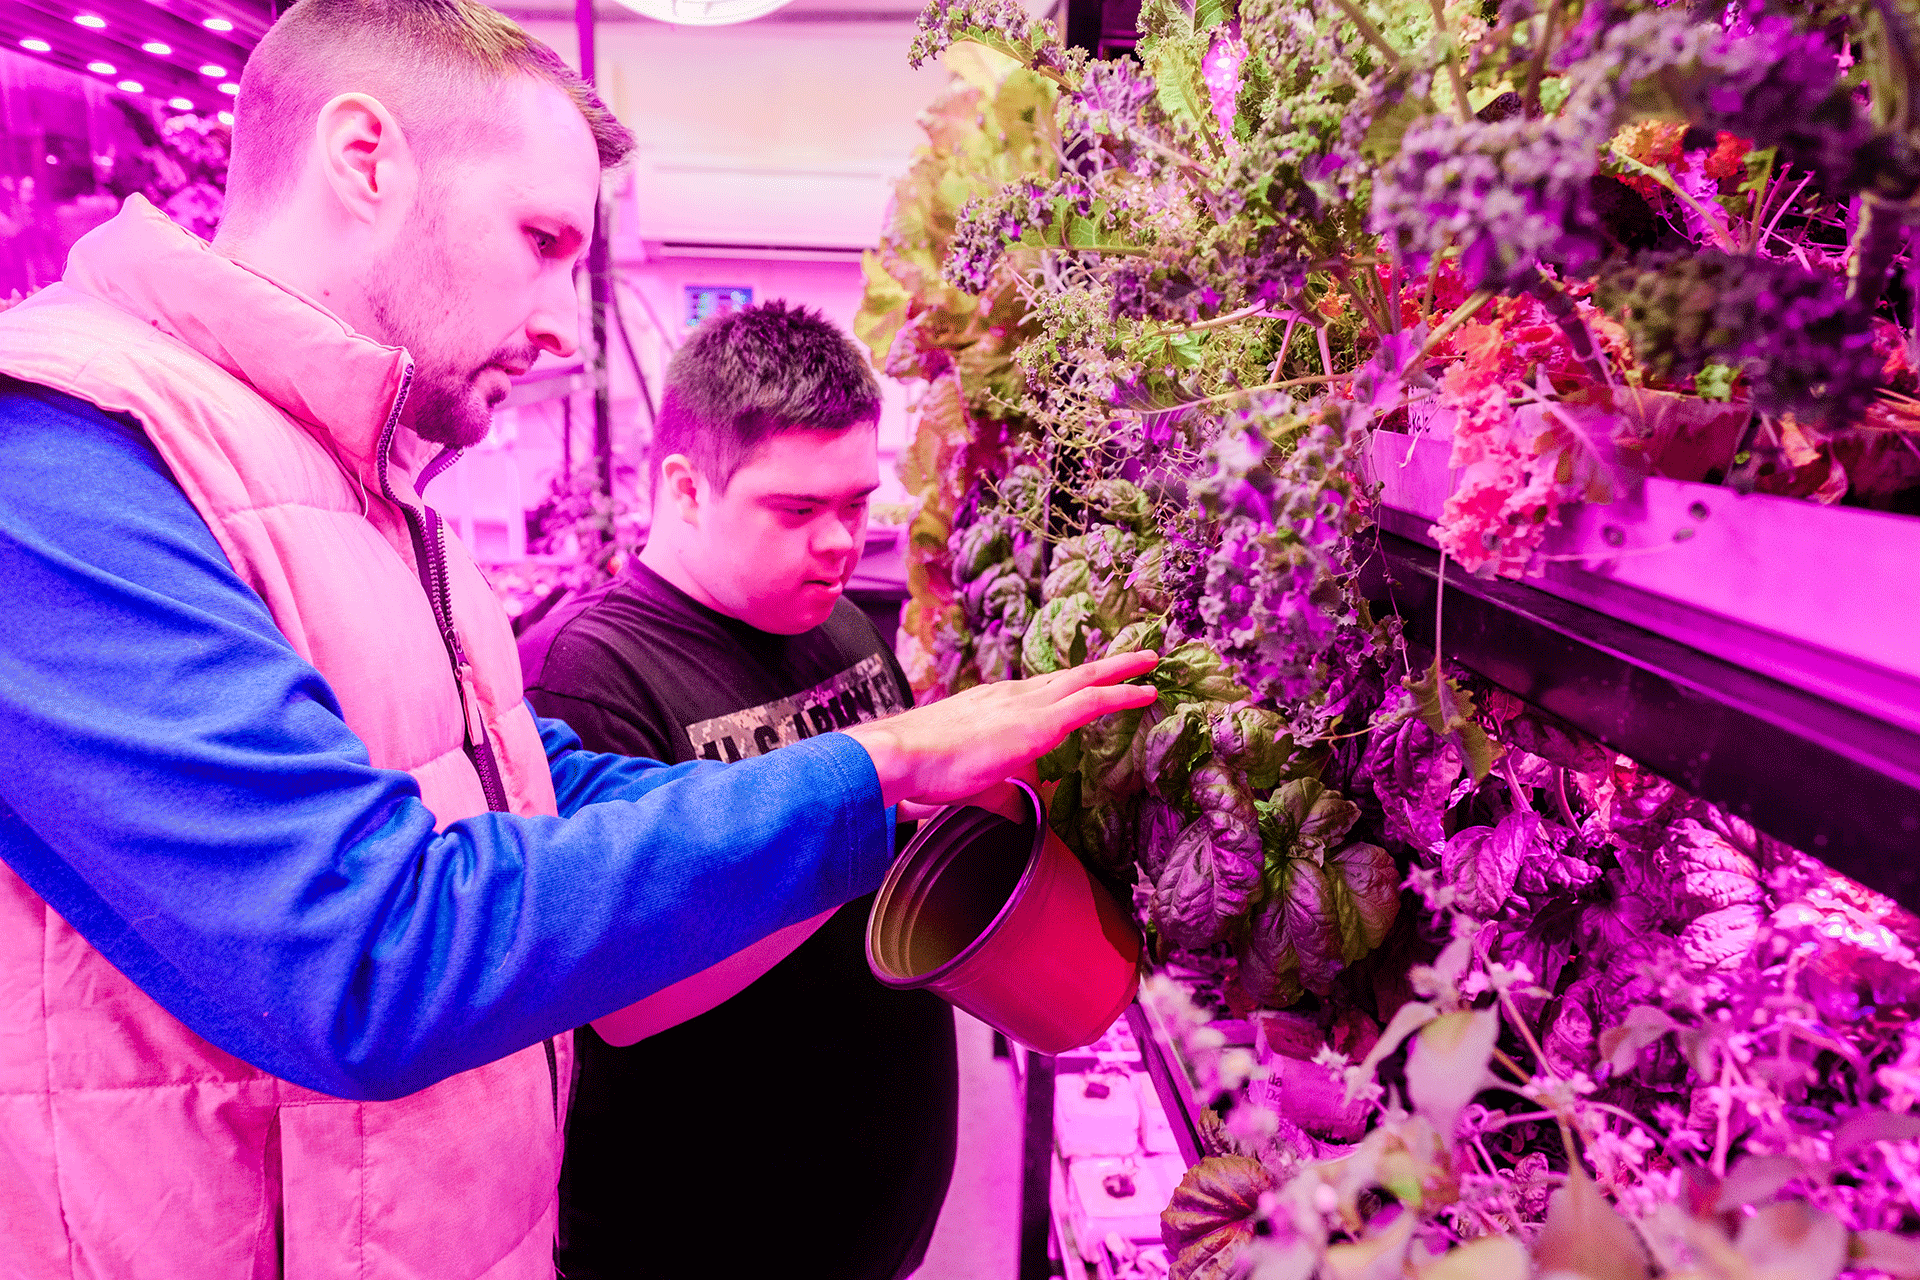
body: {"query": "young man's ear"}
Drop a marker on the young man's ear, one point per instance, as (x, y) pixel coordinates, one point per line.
(679, 488)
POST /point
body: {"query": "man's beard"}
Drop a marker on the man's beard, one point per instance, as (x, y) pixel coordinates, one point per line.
(414, 280)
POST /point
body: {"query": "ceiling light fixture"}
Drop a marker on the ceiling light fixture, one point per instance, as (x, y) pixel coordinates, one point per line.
(217, 24)
(157, 49)
(180, 104)
(229, 88)
(131, 86)
(101, 68)
(213, 69)
(704, 13)
(225, 117)
(89, 20)
(36, 46)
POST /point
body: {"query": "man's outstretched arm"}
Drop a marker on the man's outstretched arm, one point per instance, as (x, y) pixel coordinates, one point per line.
(179, 785)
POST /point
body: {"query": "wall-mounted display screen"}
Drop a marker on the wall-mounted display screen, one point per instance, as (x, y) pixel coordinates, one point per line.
(703, 300)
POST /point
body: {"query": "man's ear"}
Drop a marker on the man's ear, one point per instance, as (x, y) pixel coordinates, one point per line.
(365, 157)
(679, 488)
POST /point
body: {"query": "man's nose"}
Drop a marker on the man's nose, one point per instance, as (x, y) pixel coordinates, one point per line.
(554, 324)
(835, 537)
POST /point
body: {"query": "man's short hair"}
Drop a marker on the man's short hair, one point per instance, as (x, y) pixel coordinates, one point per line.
(435, 64)
(752, 374)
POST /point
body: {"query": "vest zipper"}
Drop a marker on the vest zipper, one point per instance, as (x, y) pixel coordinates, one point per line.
(430, 552)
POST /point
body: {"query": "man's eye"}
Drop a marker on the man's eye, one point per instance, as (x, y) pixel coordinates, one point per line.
(542, 242)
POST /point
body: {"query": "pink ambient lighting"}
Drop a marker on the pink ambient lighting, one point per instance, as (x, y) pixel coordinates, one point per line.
(156, 48)
(131, 86)
(89, 20)
(36, 46)
(217, 24)
(101, 68)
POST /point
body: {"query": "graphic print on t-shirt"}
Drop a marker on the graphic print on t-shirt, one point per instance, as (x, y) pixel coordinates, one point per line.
(864, 691)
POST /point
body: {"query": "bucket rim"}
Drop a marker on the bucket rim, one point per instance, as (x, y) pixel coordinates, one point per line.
(884, 973)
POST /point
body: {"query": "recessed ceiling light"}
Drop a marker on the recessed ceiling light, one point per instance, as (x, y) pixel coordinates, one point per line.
(89, 20)
(213, 69)
(217, 24)
(180, 104)
(36, 46)
(131, 86)
(101, 68)
(225, 117)
(157, 49)
(229, 88)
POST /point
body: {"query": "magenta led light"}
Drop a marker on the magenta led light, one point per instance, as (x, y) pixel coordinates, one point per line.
(157, 49)
(131, 86)
(229, 88)
(180, 104)
(89, 20)
(102, 68)
(217, 24)
(213, 69)
(36, 46)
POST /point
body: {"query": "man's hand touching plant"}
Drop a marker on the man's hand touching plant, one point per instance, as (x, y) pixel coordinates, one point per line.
(952, 749)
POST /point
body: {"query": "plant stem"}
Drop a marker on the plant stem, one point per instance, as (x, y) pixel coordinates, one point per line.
(1368, 31)
(1218, 322)
(1453, 61)
(1461, 314)
(1530, 100)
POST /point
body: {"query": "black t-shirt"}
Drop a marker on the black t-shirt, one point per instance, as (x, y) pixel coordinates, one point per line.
(810, 1118)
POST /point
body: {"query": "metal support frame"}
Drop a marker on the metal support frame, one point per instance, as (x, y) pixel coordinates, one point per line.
(1829, 780)
(1036, 1169)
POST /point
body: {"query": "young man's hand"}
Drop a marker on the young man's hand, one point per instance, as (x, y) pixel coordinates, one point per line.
(950, 749)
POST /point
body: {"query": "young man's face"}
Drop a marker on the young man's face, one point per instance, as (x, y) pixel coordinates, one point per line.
(480, 279)
(775, 548)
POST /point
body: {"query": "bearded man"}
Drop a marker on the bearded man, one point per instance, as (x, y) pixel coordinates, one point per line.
(299, 899)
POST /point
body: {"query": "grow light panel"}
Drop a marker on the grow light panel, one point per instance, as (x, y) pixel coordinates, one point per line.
(704, 13)
(36, 46)
(101, 68)
(131, 86)
(91, 21)
(157, 49)
(213, 69)
(217, 24)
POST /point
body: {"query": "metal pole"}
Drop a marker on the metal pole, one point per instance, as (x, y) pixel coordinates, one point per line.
(600, 285)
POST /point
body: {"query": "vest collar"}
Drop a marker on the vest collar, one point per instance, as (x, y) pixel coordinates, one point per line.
(342, 385)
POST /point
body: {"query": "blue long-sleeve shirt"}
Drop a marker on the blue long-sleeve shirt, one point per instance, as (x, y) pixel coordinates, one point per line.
(179, 784)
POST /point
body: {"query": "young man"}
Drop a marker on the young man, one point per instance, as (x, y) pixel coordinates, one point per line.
(731, 638)
(299, 899)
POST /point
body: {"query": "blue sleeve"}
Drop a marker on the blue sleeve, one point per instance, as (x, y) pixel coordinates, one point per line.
(179, 785)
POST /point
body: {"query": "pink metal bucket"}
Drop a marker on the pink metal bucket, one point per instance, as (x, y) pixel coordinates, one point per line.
(999, 918)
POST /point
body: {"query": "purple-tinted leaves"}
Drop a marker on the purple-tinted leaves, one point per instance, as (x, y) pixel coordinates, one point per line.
(1448, 710)
(1486, 864)
(1305, 818)
(1413, 771)
(1057, 637)
(1210, 1220)
(1106, 754)
(1167, 750)
(1213, 865)
(1159, 824)
(1366, 882)
(1254, 740)
(1448, 1065)
(977, 546)
(1585, 1236)
(1069, 576)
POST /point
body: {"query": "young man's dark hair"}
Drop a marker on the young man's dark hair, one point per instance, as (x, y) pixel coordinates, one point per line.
(754, 373)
